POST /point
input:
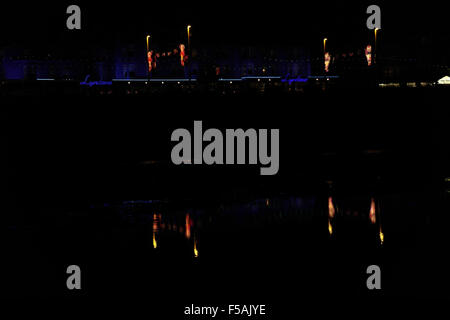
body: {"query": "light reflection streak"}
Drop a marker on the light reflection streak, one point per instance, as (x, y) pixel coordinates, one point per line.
(372, 213)
(188, 226)
(331, 213)
(155, 228)
(195, 248)
(155, 244)
(331, 209)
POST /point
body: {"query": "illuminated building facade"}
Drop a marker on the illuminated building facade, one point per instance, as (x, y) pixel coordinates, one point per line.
(129, 61)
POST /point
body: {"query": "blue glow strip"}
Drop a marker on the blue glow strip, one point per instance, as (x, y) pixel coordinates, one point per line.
(44, 79)
(154, 80)
(294, 80)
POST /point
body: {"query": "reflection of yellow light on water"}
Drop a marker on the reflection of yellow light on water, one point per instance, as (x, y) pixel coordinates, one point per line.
(330, 227)
(381, 236)
(155, 228)
(267, 202)
(155, 244)
(195, 249)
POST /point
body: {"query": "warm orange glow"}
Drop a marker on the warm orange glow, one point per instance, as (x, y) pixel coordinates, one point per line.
(189, 38)
(151, 61)
(155, 229)
(368, 52)
(330, 227)
(372, 213)
(327, 61)
(183, 55)
(155, 244)
(376, 46)
(188, 226)
(376, 33)
(331, 210)
(381, 236)
(156, 219)
(267, 202)
(195, 249)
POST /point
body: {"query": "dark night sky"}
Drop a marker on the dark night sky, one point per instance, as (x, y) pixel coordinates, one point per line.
(405, 24)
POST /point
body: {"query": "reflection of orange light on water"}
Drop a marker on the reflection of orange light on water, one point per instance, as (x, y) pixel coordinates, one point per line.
(327, 61)
(331, 210)
(156, 222)
(368, 53)
(156, 219)
(195, 249)
(372, 214)
(267, 202)
(188, 226)
(330, 227)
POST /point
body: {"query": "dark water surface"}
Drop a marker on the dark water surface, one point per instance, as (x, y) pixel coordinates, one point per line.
(77, 168)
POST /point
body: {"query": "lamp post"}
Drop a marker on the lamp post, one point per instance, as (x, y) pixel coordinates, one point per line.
(189, 47)
(375, 44)
(189, 38)
(326, 57)
(148, 61)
